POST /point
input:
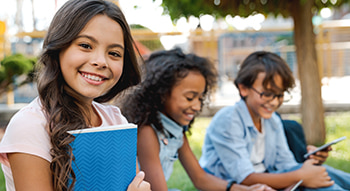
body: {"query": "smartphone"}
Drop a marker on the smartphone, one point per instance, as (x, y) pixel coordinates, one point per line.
(293, 187)
(324, 146)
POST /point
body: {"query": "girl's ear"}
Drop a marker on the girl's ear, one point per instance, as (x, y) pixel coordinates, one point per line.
(243, 90)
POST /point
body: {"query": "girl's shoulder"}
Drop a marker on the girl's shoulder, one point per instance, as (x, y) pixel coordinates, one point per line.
(29, 112)
(28, 132)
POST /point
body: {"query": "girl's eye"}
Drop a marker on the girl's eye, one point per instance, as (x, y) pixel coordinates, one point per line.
(86, 46)
(189, 98)
(115, 54)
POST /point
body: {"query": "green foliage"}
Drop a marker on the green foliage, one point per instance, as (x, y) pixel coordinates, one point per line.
(186, 8)
(2, 74)
(16, 65)
(137, 26)
(244, 8)
(152, 45)
(11, 67)
(2, 181)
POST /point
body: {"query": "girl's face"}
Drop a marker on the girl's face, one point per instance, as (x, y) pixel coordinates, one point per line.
(93, 62)
(185, 99)
(258, 106)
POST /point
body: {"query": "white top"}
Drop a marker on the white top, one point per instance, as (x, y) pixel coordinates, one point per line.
(258, 151)
(27, 132)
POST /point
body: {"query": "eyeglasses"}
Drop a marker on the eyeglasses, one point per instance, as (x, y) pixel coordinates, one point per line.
(269, 96)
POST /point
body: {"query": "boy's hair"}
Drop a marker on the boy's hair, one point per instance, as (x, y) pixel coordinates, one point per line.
(268, 62)
(164, 69)
(63, 111)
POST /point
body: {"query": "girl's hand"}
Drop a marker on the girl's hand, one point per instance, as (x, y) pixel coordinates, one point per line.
(138, 184)
(320, 156)
(314, 176)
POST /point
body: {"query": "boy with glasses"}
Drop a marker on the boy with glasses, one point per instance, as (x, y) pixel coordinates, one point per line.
(245, 143)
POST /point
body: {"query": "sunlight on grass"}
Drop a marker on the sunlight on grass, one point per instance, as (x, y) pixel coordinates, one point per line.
(2, 181)
(337, 125)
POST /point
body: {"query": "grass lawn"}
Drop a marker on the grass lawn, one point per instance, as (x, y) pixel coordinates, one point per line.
(337, 125)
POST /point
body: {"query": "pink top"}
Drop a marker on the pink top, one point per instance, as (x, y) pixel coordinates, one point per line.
(27, 132)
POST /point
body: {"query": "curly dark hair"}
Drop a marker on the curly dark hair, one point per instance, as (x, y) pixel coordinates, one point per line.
(163, 69)
(268, 62)
(64, 112)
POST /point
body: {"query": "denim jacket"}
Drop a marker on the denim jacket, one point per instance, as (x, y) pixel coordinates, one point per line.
(229, 141)
(170, 141)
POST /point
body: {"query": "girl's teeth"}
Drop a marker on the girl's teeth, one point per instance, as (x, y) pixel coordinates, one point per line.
(92, 77)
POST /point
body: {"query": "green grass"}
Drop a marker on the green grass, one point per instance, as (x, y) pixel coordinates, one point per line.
(336, 126)
(2, 181)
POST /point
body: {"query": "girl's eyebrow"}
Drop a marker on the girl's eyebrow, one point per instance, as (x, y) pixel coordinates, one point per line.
(95, 41)
(194, 93)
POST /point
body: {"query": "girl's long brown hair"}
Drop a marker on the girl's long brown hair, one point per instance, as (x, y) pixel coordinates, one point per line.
(63, 111)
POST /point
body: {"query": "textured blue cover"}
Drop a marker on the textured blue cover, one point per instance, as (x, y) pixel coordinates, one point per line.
(105, 160)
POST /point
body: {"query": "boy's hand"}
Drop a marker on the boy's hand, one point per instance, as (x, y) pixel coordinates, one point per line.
(260, 187)
(314, 176)
(320, 156)
(255, 187)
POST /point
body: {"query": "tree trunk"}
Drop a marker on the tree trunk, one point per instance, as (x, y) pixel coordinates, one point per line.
(312, 111)
(10, 97)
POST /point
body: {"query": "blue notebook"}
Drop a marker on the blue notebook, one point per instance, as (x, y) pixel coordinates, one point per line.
(105, 157)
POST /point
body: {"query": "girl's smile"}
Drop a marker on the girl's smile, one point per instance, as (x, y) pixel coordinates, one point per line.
(93, 63)
(185, 99)
(94, 79)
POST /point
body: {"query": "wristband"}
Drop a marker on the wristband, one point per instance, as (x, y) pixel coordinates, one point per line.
(230, 184)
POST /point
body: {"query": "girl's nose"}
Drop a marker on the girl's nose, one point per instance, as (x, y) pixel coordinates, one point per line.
(99, 60)
(197, 105)
(100, 64)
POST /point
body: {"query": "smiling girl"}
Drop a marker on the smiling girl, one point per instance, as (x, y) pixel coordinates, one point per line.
(164, 107)
(87, 59)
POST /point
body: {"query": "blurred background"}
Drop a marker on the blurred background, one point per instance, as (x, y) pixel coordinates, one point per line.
(227, 40)
(224, 31)
(223, 34)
